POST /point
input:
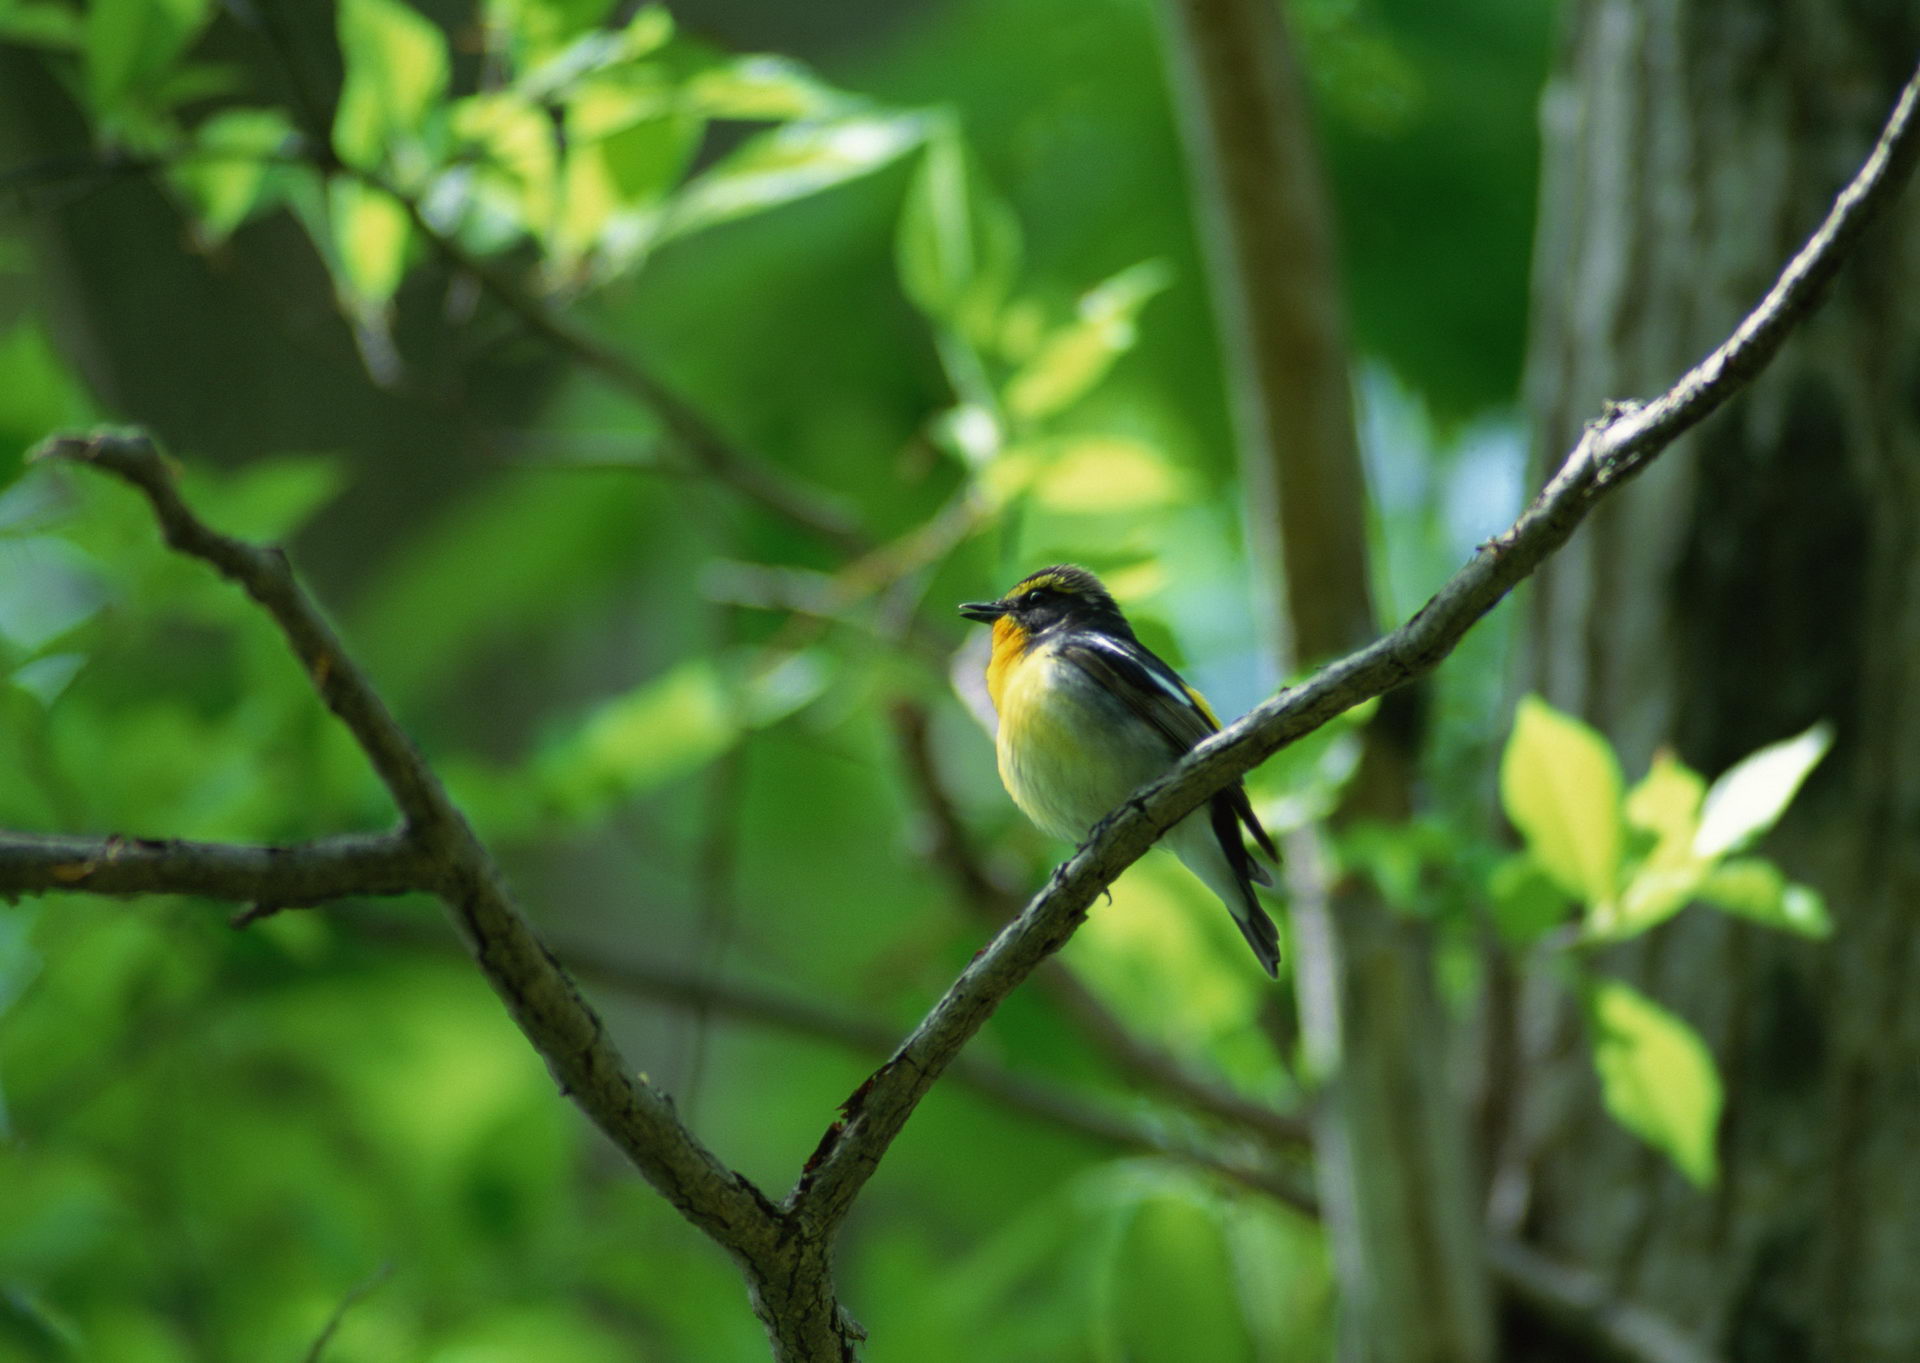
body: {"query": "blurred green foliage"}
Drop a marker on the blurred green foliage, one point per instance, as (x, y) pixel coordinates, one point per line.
(946, 275)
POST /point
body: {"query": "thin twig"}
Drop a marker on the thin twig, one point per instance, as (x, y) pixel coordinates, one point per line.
(355, 1295)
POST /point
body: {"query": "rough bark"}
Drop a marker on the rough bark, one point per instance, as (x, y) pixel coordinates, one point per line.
(1766, 576)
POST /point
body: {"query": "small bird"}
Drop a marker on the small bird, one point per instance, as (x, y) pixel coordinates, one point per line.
(1088, 715)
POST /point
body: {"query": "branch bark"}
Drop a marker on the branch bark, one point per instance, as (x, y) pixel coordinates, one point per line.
(559, 1023)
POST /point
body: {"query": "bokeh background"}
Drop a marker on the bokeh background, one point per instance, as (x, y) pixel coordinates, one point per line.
(937, 261)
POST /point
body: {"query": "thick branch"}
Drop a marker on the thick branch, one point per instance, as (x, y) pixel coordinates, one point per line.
(562, 1027)
(1611, 450)
(304, 873)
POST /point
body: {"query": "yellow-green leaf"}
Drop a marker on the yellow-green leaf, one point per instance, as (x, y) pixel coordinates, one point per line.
(958, 244)
(1757, 889)
(792, 162)
(396, 68)
(370, 232)
(1097, 474)
(1657, 1077)
(1666, 802)
(1560, 785)
(230, 171)
(1077, 356)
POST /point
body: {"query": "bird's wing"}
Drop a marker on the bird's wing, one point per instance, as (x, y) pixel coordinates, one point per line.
(1156, 694)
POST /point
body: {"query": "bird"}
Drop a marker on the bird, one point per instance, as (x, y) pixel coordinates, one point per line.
(1089, 714)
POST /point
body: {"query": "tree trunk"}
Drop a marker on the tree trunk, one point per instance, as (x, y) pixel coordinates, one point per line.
(1395, 1178)
(1762, 577)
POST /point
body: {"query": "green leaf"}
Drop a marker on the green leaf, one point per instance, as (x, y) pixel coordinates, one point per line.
(1077, 356)
(42, 23)
(396, 69)
(791, 162)
(665, 729)
(130, 43)
(268, 499)
(1654, 893)
(761, 87)
(1757, 889)
(37, 394)
(1560, 785)
(1666, 802)
(1527, 904)
(1657, 1077)
(228, 174)
(958, 244)
(1750, 796)
(370, 234)
(1104, 474)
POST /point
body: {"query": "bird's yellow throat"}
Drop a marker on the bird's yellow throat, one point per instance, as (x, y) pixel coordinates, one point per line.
(1009, 646)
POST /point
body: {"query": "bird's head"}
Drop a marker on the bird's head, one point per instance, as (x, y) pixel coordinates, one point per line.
(1056, 597)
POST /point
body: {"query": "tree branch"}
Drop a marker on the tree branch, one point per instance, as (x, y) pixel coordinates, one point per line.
(300, 874)
(1611, 450)
(560, 1024)
(1126, 1050)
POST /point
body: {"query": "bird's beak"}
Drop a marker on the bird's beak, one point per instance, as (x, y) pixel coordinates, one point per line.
(986, 612)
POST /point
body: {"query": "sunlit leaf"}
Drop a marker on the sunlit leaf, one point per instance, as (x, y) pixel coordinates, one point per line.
(791, 162)
(1666, 802)
(1078, 356)
(1757, 889)
(665, 729)
(1103, 474)
(958, 244)
(1657, 1077)
(1560, 786)
(775, 89)
(1750, 796)
(1654, 893)
(229, 170)
(516, 140)
(370, 233)
(396, 68)
(561, 44)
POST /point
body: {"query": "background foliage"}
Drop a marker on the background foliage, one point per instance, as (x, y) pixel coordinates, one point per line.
(936, 263)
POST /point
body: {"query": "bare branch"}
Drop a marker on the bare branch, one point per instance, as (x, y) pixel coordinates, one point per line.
(562, 1027)
(1612, 449)
(303, 873)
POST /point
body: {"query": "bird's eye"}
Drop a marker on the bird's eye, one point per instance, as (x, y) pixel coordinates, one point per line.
(1034, 597)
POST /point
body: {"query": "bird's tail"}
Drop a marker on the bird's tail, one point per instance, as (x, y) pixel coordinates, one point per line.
(1211, 847)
